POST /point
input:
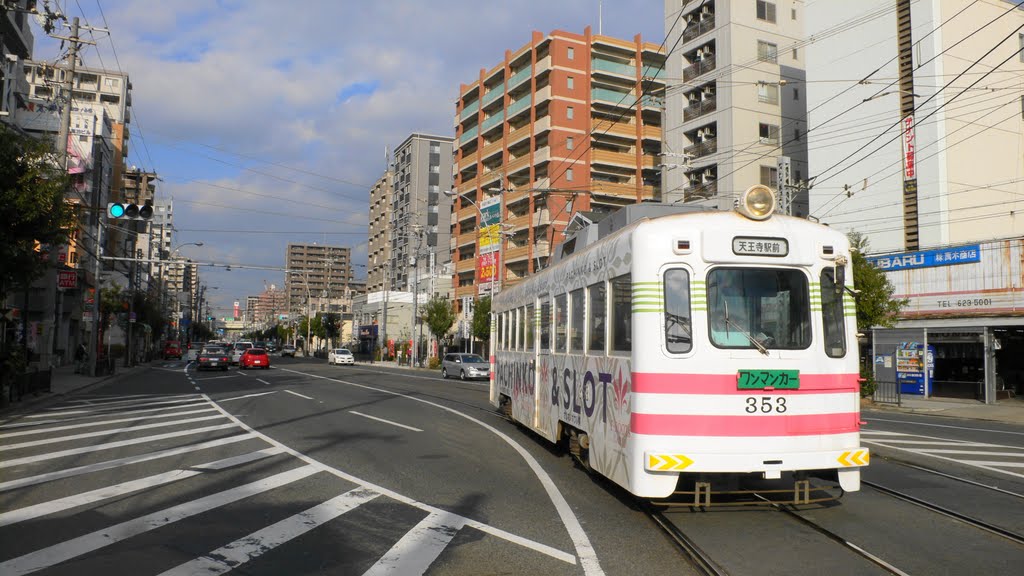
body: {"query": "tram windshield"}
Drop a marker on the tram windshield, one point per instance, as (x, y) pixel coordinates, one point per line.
(759, 308)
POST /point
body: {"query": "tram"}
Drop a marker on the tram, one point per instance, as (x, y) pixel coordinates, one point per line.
(698, 345)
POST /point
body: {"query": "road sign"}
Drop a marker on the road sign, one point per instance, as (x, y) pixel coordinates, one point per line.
(67, 279)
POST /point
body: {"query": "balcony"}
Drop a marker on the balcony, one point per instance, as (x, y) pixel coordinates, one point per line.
(699, 109)
(490, 149)
(467, 238)
(612, 96)
(519, 222)
(610, 66)
(490, 178)
(544, 64)
(624, 159)
(703, 66)
(466, 265)
(466, 213)
(702, 191)
(493, 121)
(694, 31)
(468, 135)
(518, 78)
(600, 127)
(542, 125)
(653, 72)
(620, 189)
(518, 135)
(470, 110)
(542, 95)
(516, 254)
(467, 185)
(652, 132)
(494, 94)
(516, 196)
(705, 148)
(518, 106)
(540, 217)
(518, 164)
(468, 160)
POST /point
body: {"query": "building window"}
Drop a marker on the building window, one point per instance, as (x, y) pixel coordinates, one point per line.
(1021, 38)
(765, 11)
(768, 93)
(796, 93)
(767, 52)
(570, 53)
(569, 143)
(113, 83)
(793, 13)
(568, 112)
(435, 169)
(569, 82)
(769, 175)
(794, 54)
(435, 147)
(568, 174)
(768, 133)
(796, 134)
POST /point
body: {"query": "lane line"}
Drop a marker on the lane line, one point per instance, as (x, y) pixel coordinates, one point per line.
(299, 395)
(60, 439)
(73, 548)
(907, 422)
(109, 445)
(109, 410)
(254, 545)
(216, 378)
(99, 423)
(384, 421)
(418, 549)
(974, 452)
(946, 458)
(982, 463)
(262, 380)
(117, 463)
(247, 396)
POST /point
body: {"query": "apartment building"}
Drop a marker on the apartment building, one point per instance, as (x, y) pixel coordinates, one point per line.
(419, 225)
(271, 304)
(16, 44)
(319, 278)
(564, 123)
(379, 252)
(735, 108)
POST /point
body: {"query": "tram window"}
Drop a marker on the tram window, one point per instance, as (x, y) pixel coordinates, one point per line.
(531, 325)
(759, 308)
(561, 322)
(499, 335)
(622, 313)
(597, 319)
(832, 315)
(678, 336)
(521, 328)
(578, 307)
(545, 325)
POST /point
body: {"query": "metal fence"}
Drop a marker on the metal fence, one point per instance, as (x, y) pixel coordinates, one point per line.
(34, 382)
(886, 392)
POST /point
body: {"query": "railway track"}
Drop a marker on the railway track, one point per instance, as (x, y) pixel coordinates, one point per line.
(700, 560)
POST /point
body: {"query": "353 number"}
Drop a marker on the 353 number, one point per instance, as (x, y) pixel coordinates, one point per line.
(765, 405)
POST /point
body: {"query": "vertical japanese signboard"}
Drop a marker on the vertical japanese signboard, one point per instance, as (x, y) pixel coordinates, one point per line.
(488, 238)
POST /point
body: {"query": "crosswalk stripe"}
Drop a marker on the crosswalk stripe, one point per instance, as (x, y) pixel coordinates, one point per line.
(996, 463)
(974, 452)
(43, 430)
(109, 445)
(88, 468)
(120, 400)
(75, 547)
(931, 443)
(196, 403)
(256, 544)
(111, 409)
(418, 549)
(128, 429)
(73, 501)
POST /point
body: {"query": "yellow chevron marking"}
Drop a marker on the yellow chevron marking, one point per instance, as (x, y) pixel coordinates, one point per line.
(667, 462)
(855, 458)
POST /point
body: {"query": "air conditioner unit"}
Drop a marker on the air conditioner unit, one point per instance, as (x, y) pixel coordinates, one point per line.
(707, 92)
(705, 10)
(708, 175)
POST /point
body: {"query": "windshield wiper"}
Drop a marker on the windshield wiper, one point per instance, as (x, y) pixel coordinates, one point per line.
(728, 322)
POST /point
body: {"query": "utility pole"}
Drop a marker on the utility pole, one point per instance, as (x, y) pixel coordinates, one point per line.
(911, 238)
(415, 298)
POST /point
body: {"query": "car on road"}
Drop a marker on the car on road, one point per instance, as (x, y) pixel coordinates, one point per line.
(254, 358)
(239, 349)
(193, 351)
(213, 357)
(172, 349)
(341, 356)
(465, 366)
(287, 350)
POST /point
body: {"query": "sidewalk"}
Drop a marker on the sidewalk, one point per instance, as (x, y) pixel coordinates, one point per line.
(63, 382)
(1010, 411)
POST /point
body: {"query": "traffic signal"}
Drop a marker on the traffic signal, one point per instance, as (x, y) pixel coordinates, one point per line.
(128, 211)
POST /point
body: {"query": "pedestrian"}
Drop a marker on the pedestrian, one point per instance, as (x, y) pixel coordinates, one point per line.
(80, 356)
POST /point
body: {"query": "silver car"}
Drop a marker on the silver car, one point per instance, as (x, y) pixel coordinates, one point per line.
(466, 366)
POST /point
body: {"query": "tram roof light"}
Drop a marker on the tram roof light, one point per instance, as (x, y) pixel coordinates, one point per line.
(757, 202)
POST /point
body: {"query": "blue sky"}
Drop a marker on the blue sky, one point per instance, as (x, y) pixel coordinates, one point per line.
(267, 121)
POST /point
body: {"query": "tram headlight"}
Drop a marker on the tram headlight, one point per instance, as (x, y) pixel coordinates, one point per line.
(757, 203)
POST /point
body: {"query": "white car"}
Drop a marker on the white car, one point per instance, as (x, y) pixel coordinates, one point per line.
(341, 356)
(239, 349)
(193, 351)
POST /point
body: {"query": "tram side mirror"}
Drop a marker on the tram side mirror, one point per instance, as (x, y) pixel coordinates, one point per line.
(840, 274)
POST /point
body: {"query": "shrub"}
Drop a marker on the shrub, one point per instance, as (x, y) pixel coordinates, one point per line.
(434, 363)
(867, 382)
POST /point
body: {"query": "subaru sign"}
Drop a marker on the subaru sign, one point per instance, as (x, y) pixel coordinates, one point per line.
(927, 258)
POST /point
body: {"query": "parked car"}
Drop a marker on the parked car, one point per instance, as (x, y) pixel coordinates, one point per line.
(287, 350)
(193, 351)
(466, 366)
(341, 356)
(213, 357)
(238, 350)
(254, 358)
(172, 349)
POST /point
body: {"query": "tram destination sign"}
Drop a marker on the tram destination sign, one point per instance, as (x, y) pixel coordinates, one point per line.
(753, 246)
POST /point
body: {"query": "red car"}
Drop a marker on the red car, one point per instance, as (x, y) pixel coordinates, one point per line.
(254, 358)
(172, 349)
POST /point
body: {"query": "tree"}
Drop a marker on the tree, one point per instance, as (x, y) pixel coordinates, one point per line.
(482, 319)
(331, 329)
(35, 213)
(875, 304)
(439, 314)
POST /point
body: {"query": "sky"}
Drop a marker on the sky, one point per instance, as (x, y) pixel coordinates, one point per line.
(267, 121)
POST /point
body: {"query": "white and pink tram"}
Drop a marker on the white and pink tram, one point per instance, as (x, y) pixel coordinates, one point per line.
(703, 344)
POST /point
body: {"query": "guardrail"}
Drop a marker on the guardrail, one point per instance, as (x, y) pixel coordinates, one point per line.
(886, 392)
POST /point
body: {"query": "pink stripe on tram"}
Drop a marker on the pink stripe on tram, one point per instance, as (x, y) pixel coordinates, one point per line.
(655, 383)
(707, 425)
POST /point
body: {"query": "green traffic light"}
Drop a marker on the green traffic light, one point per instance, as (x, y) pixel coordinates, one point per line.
(116, 210)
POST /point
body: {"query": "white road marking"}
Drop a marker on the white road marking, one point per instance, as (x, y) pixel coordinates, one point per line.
(974, 452)
(384, 421)
(198, 402)
(42, 430)
(217, 378)
(418, 549)
(88, 468)
(118, 401)
(988, 430)
(264, 381)
(580, 540)
(247, 396)
(299, 395)
(254, 545)
(984, 464)
(69, 549)
(236, 460)
(109, 410)
(60, 439)
(936, 443)
(109, 445)
(242, 372)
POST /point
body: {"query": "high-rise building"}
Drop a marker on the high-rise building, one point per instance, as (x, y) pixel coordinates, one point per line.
(16, 43)
(419, 226)
(379, 253)
(270, 305)
(318, 278)
(735, 107)
(565, 123)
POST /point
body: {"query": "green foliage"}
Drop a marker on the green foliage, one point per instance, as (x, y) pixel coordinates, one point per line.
(482, 319)
(331, 324)
(439, 314)
(434, 363)
(867, 384)
(875, 304)
(32, 196)
(111, 302)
